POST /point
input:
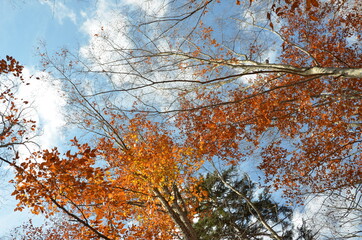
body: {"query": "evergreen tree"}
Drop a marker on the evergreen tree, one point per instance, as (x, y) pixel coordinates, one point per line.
(224, 215)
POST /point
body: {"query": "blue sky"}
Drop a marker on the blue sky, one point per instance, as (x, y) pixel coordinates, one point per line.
(70, 24)
(23, 25)
(60, 24)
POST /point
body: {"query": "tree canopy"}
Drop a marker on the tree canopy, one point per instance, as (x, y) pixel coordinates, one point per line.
(203, 84)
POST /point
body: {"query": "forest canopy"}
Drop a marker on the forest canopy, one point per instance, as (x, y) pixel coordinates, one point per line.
(202, 119)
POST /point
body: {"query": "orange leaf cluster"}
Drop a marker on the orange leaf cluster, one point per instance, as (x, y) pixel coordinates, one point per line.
(308, 128)
(114, 193)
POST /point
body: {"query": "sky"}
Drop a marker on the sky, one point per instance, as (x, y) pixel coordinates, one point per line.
(27, 24)
(24, 26)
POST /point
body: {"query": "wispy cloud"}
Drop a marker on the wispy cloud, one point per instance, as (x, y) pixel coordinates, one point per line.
(47, 102)
(60, 11)
(150, 7)
(113, 31)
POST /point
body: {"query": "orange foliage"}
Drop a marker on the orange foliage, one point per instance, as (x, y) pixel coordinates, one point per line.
(308, 128)
(113, 193)
(138, 183)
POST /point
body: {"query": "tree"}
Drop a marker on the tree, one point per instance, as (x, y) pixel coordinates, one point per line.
(15, 128)
(223, 214)
(313, 117)
(129, 191)
(301, 109)
(305, 233)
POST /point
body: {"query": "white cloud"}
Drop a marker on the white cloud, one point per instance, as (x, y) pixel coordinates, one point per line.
(47, 101)
(334, 214)
(83, 14)
(60, 11)
(109, 23)
(38, 100)
(105, 22)
(150, 7)
(111, 30)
